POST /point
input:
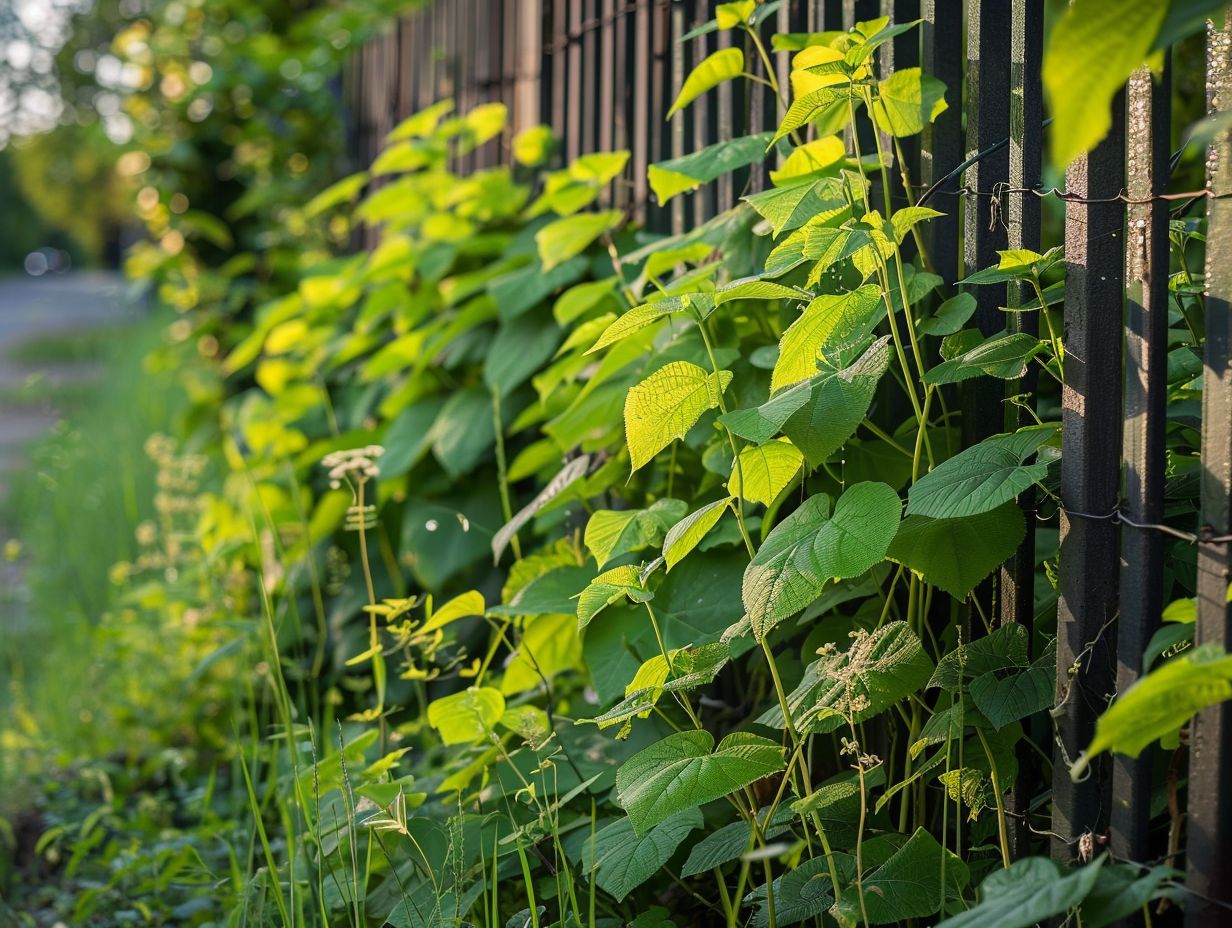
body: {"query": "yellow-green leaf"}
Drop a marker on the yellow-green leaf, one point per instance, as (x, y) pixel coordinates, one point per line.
(907, 101)
(566, 238)
(468, 716)
(762, 472)
(668, 403)
(457, 608)
(731, 15)
(1093, 48)
(722, 66)
(830, 322)
(688, 533)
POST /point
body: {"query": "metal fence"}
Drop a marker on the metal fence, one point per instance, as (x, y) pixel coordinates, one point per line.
(602, 73)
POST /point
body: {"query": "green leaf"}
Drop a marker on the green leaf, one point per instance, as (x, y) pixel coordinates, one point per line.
(808, 107)
(907, 101)
(688, 533)
(665, 405)
(956, 554)
(520, 348)
(731, 841)
(691, 668)
(1122, 890)
(790, 205)
(762, 472)
(908, 885)
(1160, 703)
(1092, 50)
(680, 175)
(468, 716)
(1015, 264)
(828, 325)
(830, 407)
(1032, 890)
(680, 773)
(876, 671)
(566, 238)
(463, 431)
(812, 547)
(838, 404)
(801, 893)
(722, 66)
(751, 288)
(611, 533)
(982, 477)
(1005, 647)
(648, 313)
(623, 859)
(950, 316)
(1005, 698)
(608, 588)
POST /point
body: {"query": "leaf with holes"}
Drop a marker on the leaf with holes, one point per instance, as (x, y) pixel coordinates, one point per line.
(813, 546)
(664, 406)
(877, 670)
(685, 770)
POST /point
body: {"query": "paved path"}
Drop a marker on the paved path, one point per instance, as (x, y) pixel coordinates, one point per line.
(35, 308)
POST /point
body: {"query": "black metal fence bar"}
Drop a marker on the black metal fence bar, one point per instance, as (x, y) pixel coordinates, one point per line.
(941, 147)
(988, 123)
(1090, 481)
(1145, 420)
(1210, 794)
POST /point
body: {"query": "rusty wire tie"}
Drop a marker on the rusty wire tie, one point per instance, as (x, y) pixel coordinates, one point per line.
(1204, 536)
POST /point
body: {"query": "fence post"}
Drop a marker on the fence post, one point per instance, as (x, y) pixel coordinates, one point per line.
(1210, 792)
(1145, 418)
(1090, 480)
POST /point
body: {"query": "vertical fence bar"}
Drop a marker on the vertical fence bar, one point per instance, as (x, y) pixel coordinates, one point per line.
(640, 86)
(530, 58)
(988, 124)
(941, 146)
(677, 125)
(1090, 481)
(1145, 421)
(1210, 765)
(1023, 231)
